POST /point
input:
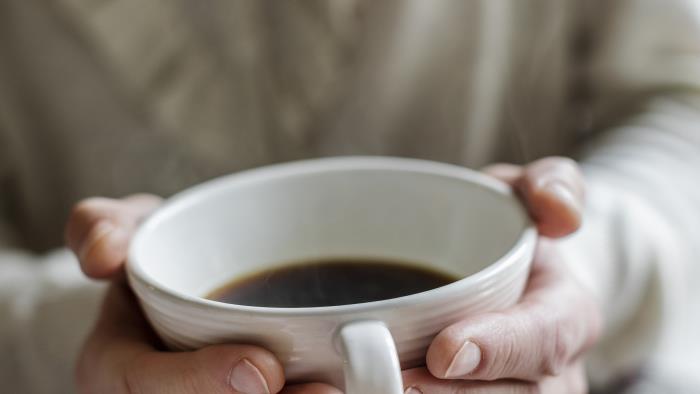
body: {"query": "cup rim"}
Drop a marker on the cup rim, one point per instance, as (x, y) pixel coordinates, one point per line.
(182, 200)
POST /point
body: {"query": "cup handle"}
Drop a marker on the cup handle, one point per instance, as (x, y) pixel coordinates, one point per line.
(370, 362)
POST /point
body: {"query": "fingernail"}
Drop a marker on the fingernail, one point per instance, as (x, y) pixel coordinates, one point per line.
(412, 390)
(465, 361)
(563, 194)
(101, 230)
(246, 378)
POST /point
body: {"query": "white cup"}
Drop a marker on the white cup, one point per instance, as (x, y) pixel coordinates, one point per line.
(442, 216)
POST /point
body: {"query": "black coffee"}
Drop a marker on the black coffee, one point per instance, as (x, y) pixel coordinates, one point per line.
(330, 282)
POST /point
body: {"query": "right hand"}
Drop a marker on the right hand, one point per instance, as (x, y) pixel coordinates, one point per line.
(122, 355)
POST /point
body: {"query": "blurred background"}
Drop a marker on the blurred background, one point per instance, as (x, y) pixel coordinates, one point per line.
(114, 97)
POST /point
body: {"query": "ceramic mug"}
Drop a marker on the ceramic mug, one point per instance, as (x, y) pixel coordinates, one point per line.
(445, 217)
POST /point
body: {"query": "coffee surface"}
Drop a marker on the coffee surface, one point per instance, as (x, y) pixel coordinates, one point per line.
(330, 282)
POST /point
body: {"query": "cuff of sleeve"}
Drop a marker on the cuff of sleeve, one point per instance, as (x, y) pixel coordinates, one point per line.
(623, 253)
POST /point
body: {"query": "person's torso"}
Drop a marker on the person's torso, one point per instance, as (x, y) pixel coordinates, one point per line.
(110, 98)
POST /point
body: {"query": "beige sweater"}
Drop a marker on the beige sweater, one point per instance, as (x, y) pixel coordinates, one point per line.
(115, 97)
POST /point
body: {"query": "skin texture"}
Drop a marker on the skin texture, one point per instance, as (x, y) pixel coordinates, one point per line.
(535, 346)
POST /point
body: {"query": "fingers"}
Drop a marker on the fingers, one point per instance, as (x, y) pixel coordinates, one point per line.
(99, 229)
(554, 322)
(571, 381)
(552, 189)
(311, 388)
(118, 358)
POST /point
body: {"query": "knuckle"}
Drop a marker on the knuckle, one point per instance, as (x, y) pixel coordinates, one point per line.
(83, 217)
(511, 358)
(502, 353)
(87, 207)
(189, 379)
(95, 230)
(93, 249)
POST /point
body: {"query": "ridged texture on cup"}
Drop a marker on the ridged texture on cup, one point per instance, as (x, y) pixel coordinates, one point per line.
(303, 341)
(448, 216)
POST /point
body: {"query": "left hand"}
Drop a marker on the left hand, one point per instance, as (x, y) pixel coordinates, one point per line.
(536, 345)
(123, 354)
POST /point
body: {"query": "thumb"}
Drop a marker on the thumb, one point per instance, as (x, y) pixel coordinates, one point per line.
(555, 321)
(216, 369)
(119, 357)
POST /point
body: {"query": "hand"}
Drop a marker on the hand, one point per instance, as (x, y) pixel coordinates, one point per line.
(537, 345)
(122, 353)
